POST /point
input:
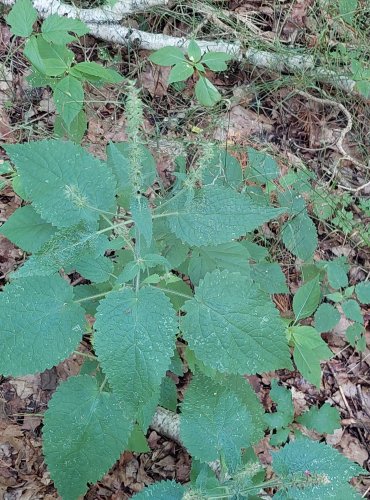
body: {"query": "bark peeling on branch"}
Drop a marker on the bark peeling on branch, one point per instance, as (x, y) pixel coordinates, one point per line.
(103, 23)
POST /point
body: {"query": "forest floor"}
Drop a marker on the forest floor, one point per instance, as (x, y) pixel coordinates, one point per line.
(263, 111)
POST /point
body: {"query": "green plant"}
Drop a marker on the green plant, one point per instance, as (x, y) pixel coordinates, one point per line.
(78, 208)
(195, 63)
(53, 65)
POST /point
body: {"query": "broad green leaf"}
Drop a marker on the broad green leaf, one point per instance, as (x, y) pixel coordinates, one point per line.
(65, 183)
(163, 490)
(168, 398)
(347, 9)
(222, 169)
(231, 256)
(323, 420)
(26, 229)
(325, 469)
(363, 292)
(194, 51)
(167, 56)
(355, 334)
(352, 310)
(40, 324)
(337, 273)
(309, 350)
(284, 415)
(85, 431)
(228, 319)
(238, 385)
(261, 167)
(69, 98)
(22, 18)
(55, 29)
(269, 277)
(137, 441)
(180, 72)
(335, 297)
(93, 71)
(279, 437)
(306, 299)
(178, 292)
(300, 237)
(134, 342)
(326, 317)
(74, 131)
(37, 79)
(256, 252)
(50, 60)
(214, 412)
(120, 163)
(216, 61)
(292, 201)
(206, 92)
(215, 215)
(142, 217)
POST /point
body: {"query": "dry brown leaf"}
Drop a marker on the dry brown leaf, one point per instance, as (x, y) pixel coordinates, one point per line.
(240, 124)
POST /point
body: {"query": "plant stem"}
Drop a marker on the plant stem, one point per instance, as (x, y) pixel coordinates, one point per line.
(91, 297)
(179, 294)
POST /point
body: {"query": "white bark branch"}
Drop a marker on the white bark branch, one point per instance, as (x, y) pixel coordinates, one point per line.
(105, 13)
(103, 24)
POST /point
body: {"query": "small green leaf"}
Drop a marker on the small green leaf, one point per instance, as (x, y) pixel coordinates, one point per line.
(55, 29)
(22, 18)
(142, 217)
(194, 51)
(228, 319)
(93, 71)
(323, 420)
(352, 310)
(216, 61)
(200, 67)
(326, 317)
(168, 398)
(167, 56)
(300, 237)
(119, 160)
(26, 229)
(309, 350)
(337, 273)
(347, 10)
(74, 131)
(164, 490)
(134, 342)
(363, 292)
(222, 169)
(232, 256)
(217, 414)
(180, 72)
(335, 297)
(137, 441)
(40, 324)
(269, 277)
(306, 299)
(85, 431)
(263, 167)
(284, 415)
(69, 98)
(327, 471)
(49, 60)
(206, 92)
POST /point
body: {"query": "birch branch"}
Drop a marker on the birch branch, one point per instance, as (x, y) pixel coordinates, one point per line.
(105, 13)
(103, 24)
